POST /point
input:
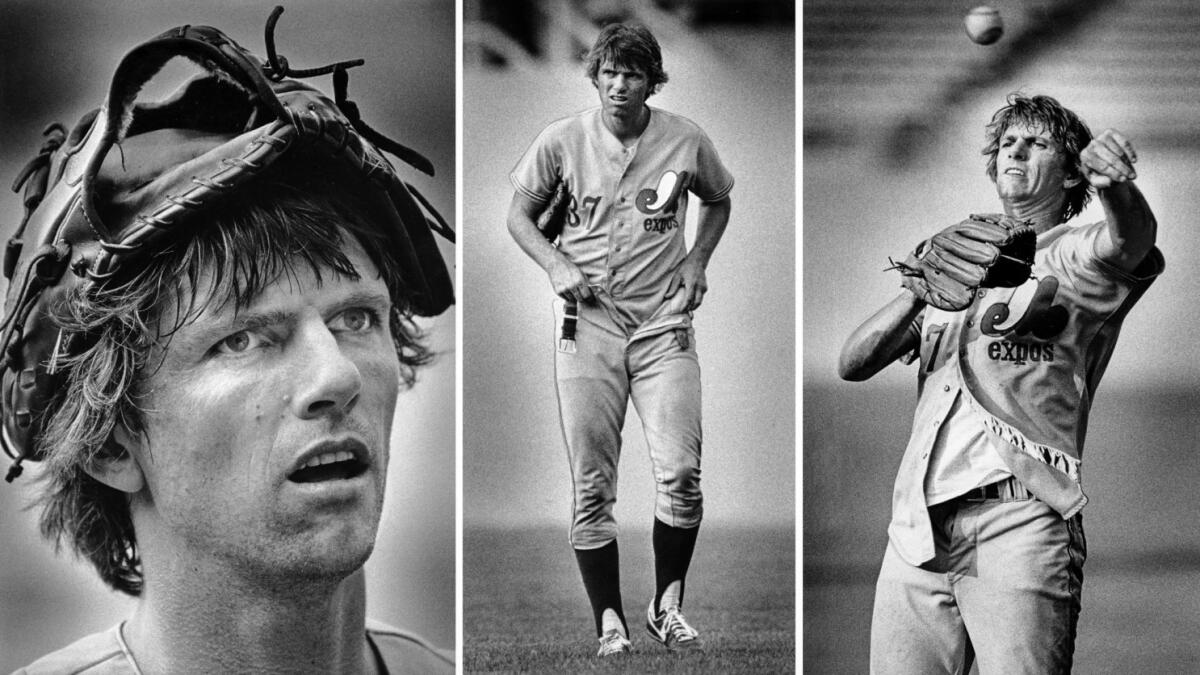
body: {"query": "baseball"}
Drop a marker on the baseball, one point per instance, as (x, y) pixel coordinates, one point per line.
(984, 25)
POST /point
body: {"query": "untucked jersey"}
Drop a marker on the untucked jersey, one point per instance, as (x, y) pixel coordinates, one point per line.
(1027, 362)
(106, 653)
(963, 457)
(625, 227)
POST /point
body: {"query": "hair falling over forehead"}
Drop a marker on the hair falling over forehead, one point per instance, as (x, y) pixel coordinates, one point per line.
(1066, 128)
(221, 267)
(284, 226)
(627, 46)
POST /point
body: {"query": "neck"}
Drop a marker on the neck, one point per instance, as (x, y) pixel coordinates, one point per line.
(627, 129)
(1044, 213)
(185, 623)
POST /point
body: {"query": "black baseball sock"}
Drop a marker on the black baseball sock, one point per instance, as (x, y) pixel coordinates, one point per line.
(601, 571)
(673, 547)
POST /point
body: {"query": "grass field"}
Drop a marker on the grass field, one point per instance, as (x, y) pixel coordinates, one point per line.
(524, 608)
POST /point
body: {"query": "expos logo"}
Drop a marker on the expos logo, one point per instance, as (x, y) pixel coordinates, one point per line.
(662, 199)
(1030, 310)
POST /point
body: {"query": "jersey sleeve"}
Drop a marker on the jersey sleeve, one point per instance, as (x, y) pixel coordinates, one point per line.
(1076, 256)
(539, 169)
(712, 181)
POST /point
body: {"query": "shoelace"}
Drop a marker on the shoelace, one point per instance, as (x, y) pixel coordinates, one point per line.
(678, 627)
(611, 642)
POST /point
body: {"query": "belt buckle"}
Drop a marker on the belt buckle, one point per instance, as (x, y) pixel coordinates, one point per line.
(983, 493)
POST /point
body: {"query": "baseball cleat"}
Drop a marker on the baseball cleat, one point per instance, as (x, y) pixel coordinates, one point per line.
(613, 643)
(671, 629)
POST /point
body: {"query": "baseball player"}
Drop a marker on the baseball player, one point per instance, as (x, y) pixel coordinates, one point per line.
(628, 288)
(985, 546)
(208, 322)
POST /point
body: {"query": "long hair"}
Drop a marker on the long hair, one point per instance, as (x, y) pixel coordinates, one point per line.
(1064, 126)
(627, 46)
(261, 235)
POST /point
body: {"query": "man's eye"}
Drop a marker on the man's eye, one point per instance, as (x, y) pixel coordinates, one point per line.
(356, 320)
(239, 342)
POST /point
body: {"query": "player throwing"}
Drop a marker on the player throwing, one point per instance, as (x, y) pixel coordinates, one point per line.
(628, 288)
(985, 546)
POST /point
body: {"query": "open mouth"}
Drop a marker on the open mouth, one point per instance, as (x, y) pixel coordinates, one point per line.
(339, 465)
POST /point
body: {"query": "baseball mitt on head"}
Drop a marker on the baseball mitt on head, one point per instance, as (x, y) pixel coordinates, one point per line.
(133, 178)
(983, 251)
(553, 218)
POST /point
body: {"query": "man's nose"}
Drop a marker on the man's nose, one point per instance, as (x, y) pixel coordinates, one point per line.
(329, 382)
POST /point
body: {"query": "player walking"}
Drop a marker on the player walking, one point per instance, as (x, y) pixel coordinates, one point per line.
(629, 288)
(986, 544)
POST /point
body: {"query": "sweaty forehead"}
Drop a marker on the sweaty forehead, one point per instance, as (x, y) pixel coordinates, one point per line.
(618, 64)
(1021, 129)
(221, 294)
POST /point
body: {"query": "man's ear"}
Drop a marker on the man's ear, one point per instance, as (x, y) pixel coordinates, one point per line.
(1073, 175)
(118, 468)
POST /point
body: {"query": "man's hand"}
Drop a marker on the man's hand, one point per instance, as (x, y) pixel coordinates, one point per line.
(568, 281)
(1108, 160)
(1107, 164)
(691, 278)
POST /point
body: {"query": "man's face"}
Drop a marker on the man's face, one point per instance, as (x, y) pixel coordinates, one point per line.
(1030, 166)
(266, 431)
(623, 89)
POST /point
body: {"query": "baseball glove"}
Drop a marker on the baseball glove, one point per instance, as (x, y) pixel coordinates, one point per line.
(983, 251)
(89, 213)
(553, 217)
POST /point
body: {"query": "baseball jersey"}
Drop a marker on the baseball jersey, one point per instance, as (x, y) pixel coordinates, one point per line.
(106, 653)
(1026, 361)
(962, 458)
(625, 227)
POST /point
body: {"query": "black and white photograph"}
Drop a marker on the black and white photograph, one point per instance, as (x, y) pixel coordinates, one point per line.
(628, 318)
(996, 207)
(229, 361)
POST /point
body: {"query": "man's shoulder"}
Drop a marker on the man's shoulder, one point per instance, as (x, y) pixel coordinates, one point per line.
(97, 654)
(579, 123)
(403, 651)
(1081, 238)
(676, 123)
(1069, 231)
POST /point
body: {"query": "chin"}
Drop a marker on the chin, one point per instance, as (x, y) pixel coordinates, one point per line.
(337, 565)
(1010, 193)
(329, 552)
(341, 550)
(318, 567)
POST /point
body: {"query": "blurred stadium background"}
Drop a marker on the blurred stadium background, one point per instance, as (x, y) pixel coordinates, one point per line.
(895, 100)
(731, 68)
(56, 62)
